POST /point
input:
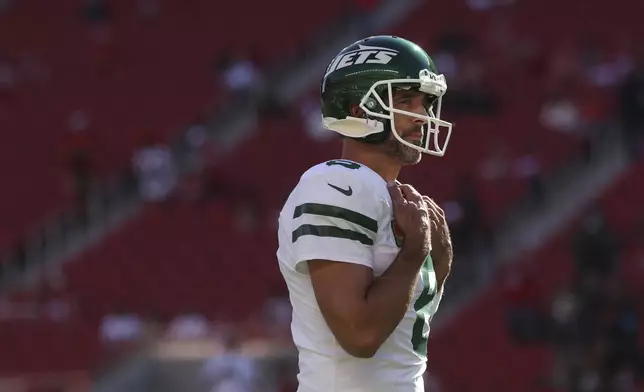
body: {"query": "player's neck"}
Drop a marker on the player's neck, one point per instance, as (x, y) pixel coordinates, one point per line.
(387, 168)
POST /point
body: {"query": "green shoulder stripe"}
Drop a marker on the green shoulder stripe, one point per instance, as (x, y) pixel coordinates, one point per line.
(337, 212)
(341, 162)
(331, 231)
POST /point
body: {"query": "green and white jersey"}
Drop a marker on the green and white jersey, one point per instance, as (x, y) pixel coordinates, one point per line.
(341, 211)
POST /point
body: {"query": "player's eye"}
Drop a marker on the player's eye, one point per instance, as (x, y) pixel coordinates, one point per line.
(404, 100)
(428, 102)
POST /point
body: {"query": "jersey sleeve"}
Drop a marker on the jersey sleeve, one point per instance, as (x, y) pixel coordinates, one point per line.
(334, 217)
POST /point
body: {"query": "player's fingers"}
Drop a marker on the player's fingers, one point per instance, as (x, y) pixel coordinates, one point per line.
(431, 204)
(397, 198)
(432, 208)
(411, 194)
(434, 218)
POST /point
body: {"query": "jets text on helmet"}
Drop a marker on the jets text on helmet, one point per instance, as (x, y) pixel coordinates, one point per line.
(365, 54)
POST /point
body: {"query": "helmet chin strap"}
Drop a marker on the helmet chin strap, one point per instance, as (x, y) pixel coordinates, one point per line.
(380, 137)
(377, 137)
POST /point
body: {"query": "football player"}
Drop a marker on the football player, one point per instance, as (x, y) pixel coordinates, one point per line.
(364, 257)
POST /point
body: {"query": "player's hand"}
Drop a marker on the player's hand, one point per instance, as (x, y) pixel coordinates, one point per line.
(442, 251)
(412, 217)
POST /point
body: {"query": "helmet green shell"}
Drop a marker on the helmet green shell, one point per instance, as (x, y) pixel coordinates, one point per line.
(357, 67)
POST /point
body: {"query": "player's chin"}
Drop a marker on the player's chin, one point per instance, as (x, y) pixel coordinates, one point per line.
(410, 156)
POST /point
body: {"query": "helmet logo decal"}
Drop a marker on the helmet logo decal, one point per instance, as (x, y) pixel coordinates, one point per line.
(363, 55)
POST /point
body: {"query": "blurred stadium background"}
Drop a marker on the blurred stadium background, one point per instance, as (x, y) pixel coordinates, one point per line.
(147, 145)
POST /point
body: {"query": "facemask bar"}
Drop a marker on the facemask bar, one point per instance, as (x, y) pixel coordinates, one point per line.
(430, 83)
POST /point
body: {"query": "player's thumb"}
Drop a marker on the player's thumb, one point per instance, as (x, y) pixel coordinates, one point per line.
(395, 193)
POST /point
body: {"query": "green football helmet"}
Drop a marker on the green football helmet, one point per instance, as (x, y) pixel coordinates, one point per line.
(367, 73)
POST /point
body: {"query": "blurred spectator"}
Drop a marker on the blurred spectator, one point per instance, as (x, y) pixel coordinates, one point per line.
(216, 184)
(523, 295)
(472, 94)
(278, 309)
(578, 110)
(79, 151)
(496, 165)
(560, 113)
(528, 167)
(465, 216)
(624, 352)
(451, 44)
(155, 169)
(198, 149)
(239, 74)
(48, 302)
(187, 326)
(277, 313)
(595, 323)
(447, 63)
(245, 200)
(231, 371)
(631, 101)
(564, 329)
(312, 118)
(605, 351)
(198, 144)
(601, 68)
(55, 302)
(596, 252)
(120, 327)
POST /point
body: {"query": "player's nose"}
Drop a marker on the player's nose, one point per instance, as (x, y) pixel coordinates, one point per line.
(420, 121)
(420, 110)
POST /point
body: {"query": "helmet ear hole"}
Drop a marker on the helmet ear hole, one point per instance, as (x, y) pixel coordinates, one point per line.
(356, 111)
(371, 103)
